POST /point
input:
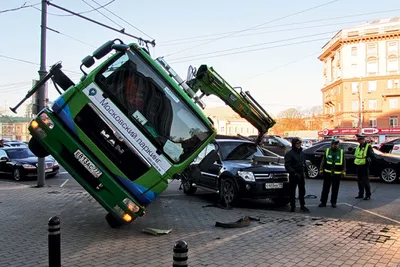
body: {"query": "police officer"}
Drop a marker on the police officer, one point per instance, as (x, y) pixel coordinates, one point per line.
(295, 165)
(333, 167)
(363, 157)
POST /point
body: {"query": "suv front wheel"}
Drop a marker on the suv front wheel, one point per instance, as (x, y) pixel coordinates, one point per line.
(228, 192)
(188, 188)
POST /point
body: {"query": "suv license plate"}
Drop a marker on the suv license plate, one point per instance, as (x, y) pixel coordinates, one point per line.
(87, 164)
(273, 185)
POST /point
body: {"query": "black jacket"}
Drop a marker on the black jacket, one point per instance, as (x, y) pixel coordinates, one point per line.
(295, 162)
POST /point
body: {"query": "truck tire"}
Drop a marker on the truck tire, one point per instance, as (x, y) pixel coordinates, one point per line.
(112, 221)
(37, 148)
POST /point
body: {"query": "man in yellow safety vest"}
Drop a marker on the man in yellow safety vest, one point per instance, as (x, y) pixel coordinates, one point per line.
(363, 157)
(333, 168)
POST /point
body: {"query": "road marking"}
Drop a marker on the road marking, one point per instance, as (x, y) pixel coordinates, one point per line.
(63, 173)
(64, 183)
(373, 213)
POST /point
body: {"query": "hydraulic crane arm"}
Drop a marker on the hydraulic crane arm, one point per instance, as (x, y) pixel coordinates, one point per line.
(209, 82)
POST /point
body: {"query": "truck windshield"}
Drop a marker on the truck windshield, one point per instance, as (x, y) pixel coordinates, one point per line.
(147, 99)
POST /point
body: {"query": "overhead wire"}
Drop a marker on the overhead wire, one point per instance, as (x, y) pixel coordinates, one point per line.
(266, 32)
(127, 22)
(83, 12)
(141, 40)
(18, 8)
(33, 63)
(257, 26)
(70, 37)
(284, 25)
(98, 11)
(254, 45)
(284, 65)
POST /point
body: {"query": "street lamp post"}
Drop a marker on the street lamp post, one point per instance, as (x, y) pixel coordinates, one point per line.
(360, 94)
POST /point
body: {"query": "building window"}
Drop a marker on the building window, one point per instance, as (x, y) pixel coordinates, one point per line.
(392, 84)
(373, 123)
(393, 103)
(392, 47)
(332, 69)
(392, 65)
(393, 122)
(372, 50)
(373, 104)
(372, 66)
(371, 86)
(354, 87)
(222, 129)
(354, 70)
(354, 105)
(354, 123)
(354, 51)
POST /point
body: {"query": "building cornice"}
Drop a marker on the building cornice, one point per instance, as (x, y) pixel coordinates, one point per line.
(328, 50)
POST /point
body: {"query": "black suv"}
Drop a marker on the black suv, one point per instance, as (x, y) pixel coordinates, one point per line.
(236, 168)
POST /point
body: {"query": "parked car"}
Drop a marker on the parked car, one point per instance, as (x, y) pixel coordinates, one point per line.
(236, 168)
(306, 142)
(20, 162)
(388, 146)
(396, 149)
(14, 143)
(386, 166)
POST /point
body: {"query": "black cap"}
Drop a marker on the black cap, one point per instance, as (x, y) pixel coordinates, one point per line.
(360, 136)
(335, 141)
(295, 140)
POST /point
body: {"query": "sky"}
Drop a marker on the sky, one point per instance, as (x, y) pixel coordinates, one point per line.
(269, 48)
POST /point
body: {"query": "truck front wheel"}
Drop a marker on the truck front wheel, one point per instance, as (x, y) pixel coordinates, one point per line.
(37, 148)
(112, 221)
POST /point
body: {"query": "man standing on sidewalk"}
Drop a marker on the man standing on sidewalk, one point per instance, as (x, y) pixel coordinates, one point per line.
(364, 155)
(295, 165)
(333, 168)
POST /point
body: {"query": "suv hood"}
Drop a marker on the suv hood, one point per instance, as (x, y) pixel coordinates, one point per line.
(247, 165)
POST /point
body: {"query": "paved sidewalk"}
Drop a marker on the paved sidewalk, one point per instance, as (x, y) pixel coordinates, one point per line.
(278, 239)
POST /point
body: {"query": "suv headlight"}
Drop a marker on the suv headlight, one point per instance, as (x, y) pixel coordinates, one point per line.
(247, 176)
(55, 163)
(45, 119)
(28, 166)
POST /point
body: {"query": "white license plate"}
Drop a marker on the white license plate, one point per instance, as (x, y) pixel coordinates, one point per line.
(273, 185)
(48, 170)
(87, 164)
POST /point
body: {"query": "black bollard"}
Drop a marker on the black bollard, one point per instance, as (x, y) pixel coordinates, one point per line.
(54, 242)
(180, 254)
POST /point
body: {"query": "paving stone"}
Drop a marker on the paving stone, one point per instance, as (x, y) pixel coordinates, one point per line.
(87, 240)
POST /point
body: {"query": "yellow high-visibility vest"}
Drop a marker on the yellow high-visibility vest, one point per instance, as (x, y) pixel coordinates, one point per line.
(334, 164)
(361, 155)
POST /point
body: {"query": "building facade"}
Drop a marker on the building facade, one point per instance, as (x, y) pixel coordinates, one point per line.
(14, 128)
(361, 73)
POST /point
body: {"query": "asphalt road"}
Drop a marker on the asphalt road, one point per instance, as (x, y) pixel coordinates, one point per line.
(384, 206)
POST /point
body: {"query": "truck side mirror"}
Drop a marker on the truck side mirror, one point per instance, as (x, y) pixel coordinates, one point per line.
(103, 50)
(4, 159)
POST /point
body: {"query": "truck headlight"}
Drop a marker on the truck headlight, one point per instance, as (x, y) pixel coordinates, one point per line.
(131, 205)
(46, 120)
(247, 176)
(125, 216)
(28, 166)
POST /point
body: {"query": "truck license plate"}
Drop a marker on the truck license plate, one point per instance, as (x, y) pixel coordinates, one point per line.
(87, 164)
(273, 185)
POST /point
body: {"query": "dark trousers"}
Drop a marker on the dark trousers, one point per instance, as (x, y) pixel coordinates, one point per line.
(295, 181)
(329, 180)
(363, 180)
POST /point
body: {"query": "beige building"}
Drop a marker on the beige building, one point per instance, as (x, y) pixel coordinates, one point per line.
(361, 73)
(14, 128)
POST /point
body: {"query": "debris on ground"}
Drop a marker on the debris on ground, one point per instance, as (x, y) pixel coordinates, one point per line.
(155, 231)
(242, 222)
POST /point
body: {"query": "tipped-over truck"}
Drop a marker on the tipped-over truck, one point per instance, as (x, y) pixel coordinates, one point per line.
(130, 125)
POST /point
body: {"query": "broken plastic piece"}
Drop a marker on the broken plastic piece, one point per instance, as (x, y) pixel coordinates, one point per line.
(156, 232)
(242, 222)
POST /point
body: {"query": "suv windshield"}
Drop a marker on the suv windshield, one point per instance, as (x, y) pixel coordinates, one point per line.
(143, 95)
(238, 151)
